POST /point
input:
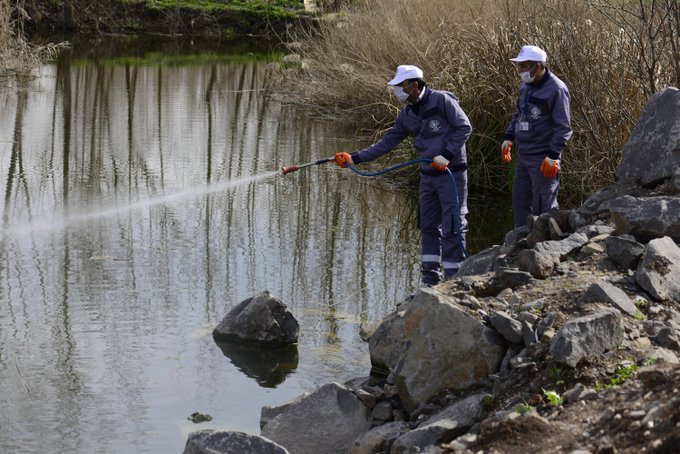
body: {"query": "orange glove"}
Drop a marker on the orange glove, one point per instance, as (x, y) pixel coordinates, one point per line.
(440, 163)
(343, 159)
(506, 148)
(550, 167)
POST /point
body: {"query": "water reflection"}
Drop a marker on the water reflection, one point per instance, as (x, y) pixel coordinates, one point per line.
(108, 299)
(267, 365)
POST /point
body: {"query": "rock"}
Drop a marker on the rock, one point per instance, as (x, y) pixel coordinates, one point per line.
(382, 411)
(260, 319)
(659, 271)
(230, 442)
(509, 278)
(587, 336)
(607, 293)
(480, 263)
(539, 265)
(560, 250)
(378, 439)
(327, 420)
(416, 344)
(624, 250)
(651, 153)
(646, 218)
(508, 327)
(442, 427)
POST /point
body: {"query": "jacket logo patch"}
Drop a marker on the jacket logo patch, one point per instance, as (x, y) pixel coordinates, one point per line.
(535, 113)
(435, 126)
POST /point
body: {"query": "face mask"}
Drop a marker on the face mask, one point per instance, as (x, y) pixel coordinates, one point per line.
(526, 77)
(400, 93)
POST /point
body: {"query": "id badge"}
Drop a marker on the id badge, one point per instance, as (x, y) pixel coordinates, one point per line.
(523, 125)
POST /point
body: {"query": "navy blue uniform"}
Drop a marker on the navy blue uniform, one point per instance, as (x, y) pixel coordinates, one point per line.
(540, 127)
(438, 126)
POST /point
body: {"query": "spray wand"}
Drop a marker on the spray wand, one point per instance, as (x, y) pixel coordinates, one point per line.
(288, 169)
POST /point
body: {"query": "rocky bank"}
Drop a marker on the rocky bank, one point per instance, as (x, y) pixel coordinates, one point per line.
(565, 338)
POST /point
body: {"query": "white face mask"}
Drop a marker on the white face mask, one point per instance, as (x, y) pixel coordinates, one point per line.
(400, 93)
(526, 76)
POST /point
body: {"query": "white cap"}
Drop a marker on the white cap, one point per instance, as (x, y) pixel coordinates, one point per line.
(405, 72)
(531, 53)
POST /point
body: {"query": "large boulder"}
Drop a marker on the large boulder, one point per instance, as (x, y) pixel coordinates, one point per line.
(328, 420)
(430, 344)
(659, 271)
(646, 218)
(260, 319)
(230, 442)
(651, 153)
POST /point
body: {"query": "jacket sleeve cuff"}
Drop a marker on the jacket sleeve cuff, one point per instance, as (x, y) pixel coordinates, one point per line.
(554, 154)
(355, 158)
(508, 137)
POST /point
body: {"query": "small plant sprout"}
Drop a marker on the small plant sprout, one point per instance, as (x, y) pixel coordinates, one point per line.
(555, 374)
(640, 302)
(523, 409)
(639, 315)
(650, 361)
(553, 398)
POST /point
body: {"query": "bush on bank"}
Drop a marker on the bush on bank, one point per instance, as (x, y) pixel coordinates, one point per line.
(612, 54)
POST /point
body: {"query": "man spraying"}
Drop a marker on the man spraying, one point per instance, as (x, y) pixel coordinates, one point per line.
(541, 127)
(439, 128)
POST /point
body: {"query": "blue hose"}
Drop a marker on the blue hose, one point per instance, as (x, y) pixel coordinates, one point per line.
(456, 221)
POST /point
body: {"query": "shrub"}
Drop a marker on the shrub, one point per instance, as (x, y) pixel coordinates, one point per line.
(602, 49)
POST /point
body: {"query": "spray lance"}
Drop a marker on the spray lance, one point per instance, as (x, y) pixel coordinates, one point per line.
(288, 169)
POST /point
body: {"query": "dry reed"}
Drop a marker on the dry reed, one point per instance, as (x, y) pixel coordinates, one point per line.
(18, 57)
(596, 46)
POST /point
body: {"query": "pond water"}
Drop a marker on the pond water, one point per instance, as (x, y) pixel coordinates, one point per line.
(141, 201)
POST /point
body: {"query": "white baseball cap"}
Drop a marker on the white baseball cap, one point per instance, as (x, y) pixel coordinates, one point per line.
(530, 53)
(405, 72)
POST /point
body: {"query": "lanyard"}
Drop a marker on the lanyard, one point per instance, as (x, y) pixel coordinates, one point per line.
(530, 92)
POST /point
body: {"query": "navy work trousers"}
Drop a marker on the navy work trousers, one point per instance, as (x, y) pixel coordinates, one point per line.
(442, 226)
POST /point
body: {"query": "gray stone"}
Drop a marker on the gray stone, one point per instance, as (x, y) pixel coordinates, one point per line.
(382, 411)
(230, 442)
(659, 271)
(607, 293)
(480, 263)
(624, 250)
(666, 338)
(443, 427)
(509, 278)
(378, 439)
(564, 248)
(508, 327)
(651, 153)
(646, 218)
(415, 343)
(260, 319)
(540, 230)
(327, 420)
(528, 333)
(539, 265)
(513, 236)
(587, 336)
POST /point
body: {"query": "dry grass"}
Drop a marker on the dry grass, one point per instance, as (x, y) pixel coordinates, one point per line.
(464, 46)
(17, 56)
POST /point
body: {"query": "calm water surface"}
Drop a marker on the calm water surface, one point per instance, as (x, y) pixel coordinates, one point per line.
(141, 201)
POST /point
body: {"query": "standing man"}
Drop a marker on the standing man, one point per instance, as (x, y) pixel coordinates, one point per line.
(439, 128)
(541, 127)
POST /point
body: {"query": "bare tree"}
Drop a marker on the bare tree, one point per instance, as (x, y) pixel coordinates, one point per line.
(652, 26)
